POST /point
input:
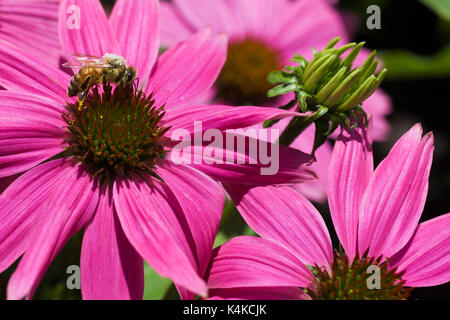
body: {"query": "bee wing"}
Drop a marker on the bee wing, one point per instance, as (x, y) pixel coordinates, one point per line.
(82, 60)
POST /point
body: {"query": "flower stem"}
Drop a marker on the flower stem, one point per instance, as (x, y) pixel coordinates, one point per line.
(295, 127)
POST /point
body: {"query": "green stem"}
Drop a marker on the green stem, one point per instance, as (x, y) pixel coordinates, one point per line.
(295, 127)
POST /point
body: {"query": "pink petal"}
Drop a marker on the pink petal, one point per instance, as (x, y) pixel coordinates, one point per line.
(149, 214)
(32, 25)
(256, 262)
(31, 131)
(286, 217)
(258, 293)
(111, 269)
(34, 103)
(21, 204)
(426, 258)
(84, 29)
(243, 164)
(173, 27)
(221, 117)
(199, 14)
(66, 209)
(252, 17)
(136, 25)
(21, 72)
(188, 70)
(307, 24)
(396, 194)
(350, 168)
(202, 201)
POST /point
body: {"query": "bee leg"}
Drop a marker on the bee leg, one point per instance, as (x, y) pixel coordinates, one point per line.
(136, 83)
(81, 97)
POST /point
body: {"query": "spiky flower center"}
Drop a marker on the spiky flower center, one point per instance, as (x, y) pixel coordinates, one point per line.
(116, 131)
(363, 279)
(243, 79)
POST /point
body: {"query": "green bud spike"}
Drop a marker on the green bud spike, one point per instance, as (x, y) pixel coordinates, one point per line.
(311, 82)
(357, 96)
(314, 64)
(377, 83)
(353, 54)
(369, 71)
(332, 43)
(382, 75)
(342, 88)
(331, 85)
(370, 59)
(343, 49)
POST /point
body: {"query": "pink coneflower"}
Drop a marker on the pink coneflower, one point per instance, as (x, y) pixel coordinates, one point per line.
(33, 26)
(264, 35)
(376, 216)
(106, 166)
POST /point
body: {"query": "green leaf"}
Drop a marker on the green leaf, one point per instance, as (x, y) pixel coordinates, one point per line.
(302, 62)
(280, 77)
(282, 89)
(221, 238)
(156, 286)
(440, 7)
(403, 64)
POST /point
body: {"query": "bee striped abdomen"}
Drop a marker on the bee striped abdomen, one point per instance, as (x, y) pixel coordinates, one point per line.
(73, 86)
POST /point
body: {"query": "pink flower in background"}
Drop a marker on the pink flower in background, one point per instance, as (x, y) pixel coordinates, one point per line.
(264, 35)
(100, 167)
(375, 214)
(33, 26)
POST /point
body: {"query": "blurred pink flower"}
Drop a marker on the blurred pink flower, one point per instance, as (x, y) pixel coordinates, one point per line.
(375, 214)
(170, 224)
(32, 25)
(281, 28)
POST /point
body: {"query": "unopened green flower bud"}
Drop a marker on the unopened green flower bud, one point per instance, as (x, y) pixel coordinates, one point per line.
(328, 86)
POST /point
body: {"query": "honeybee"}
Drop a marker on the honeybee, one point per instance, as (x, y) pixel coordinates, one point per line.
(95, 70)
